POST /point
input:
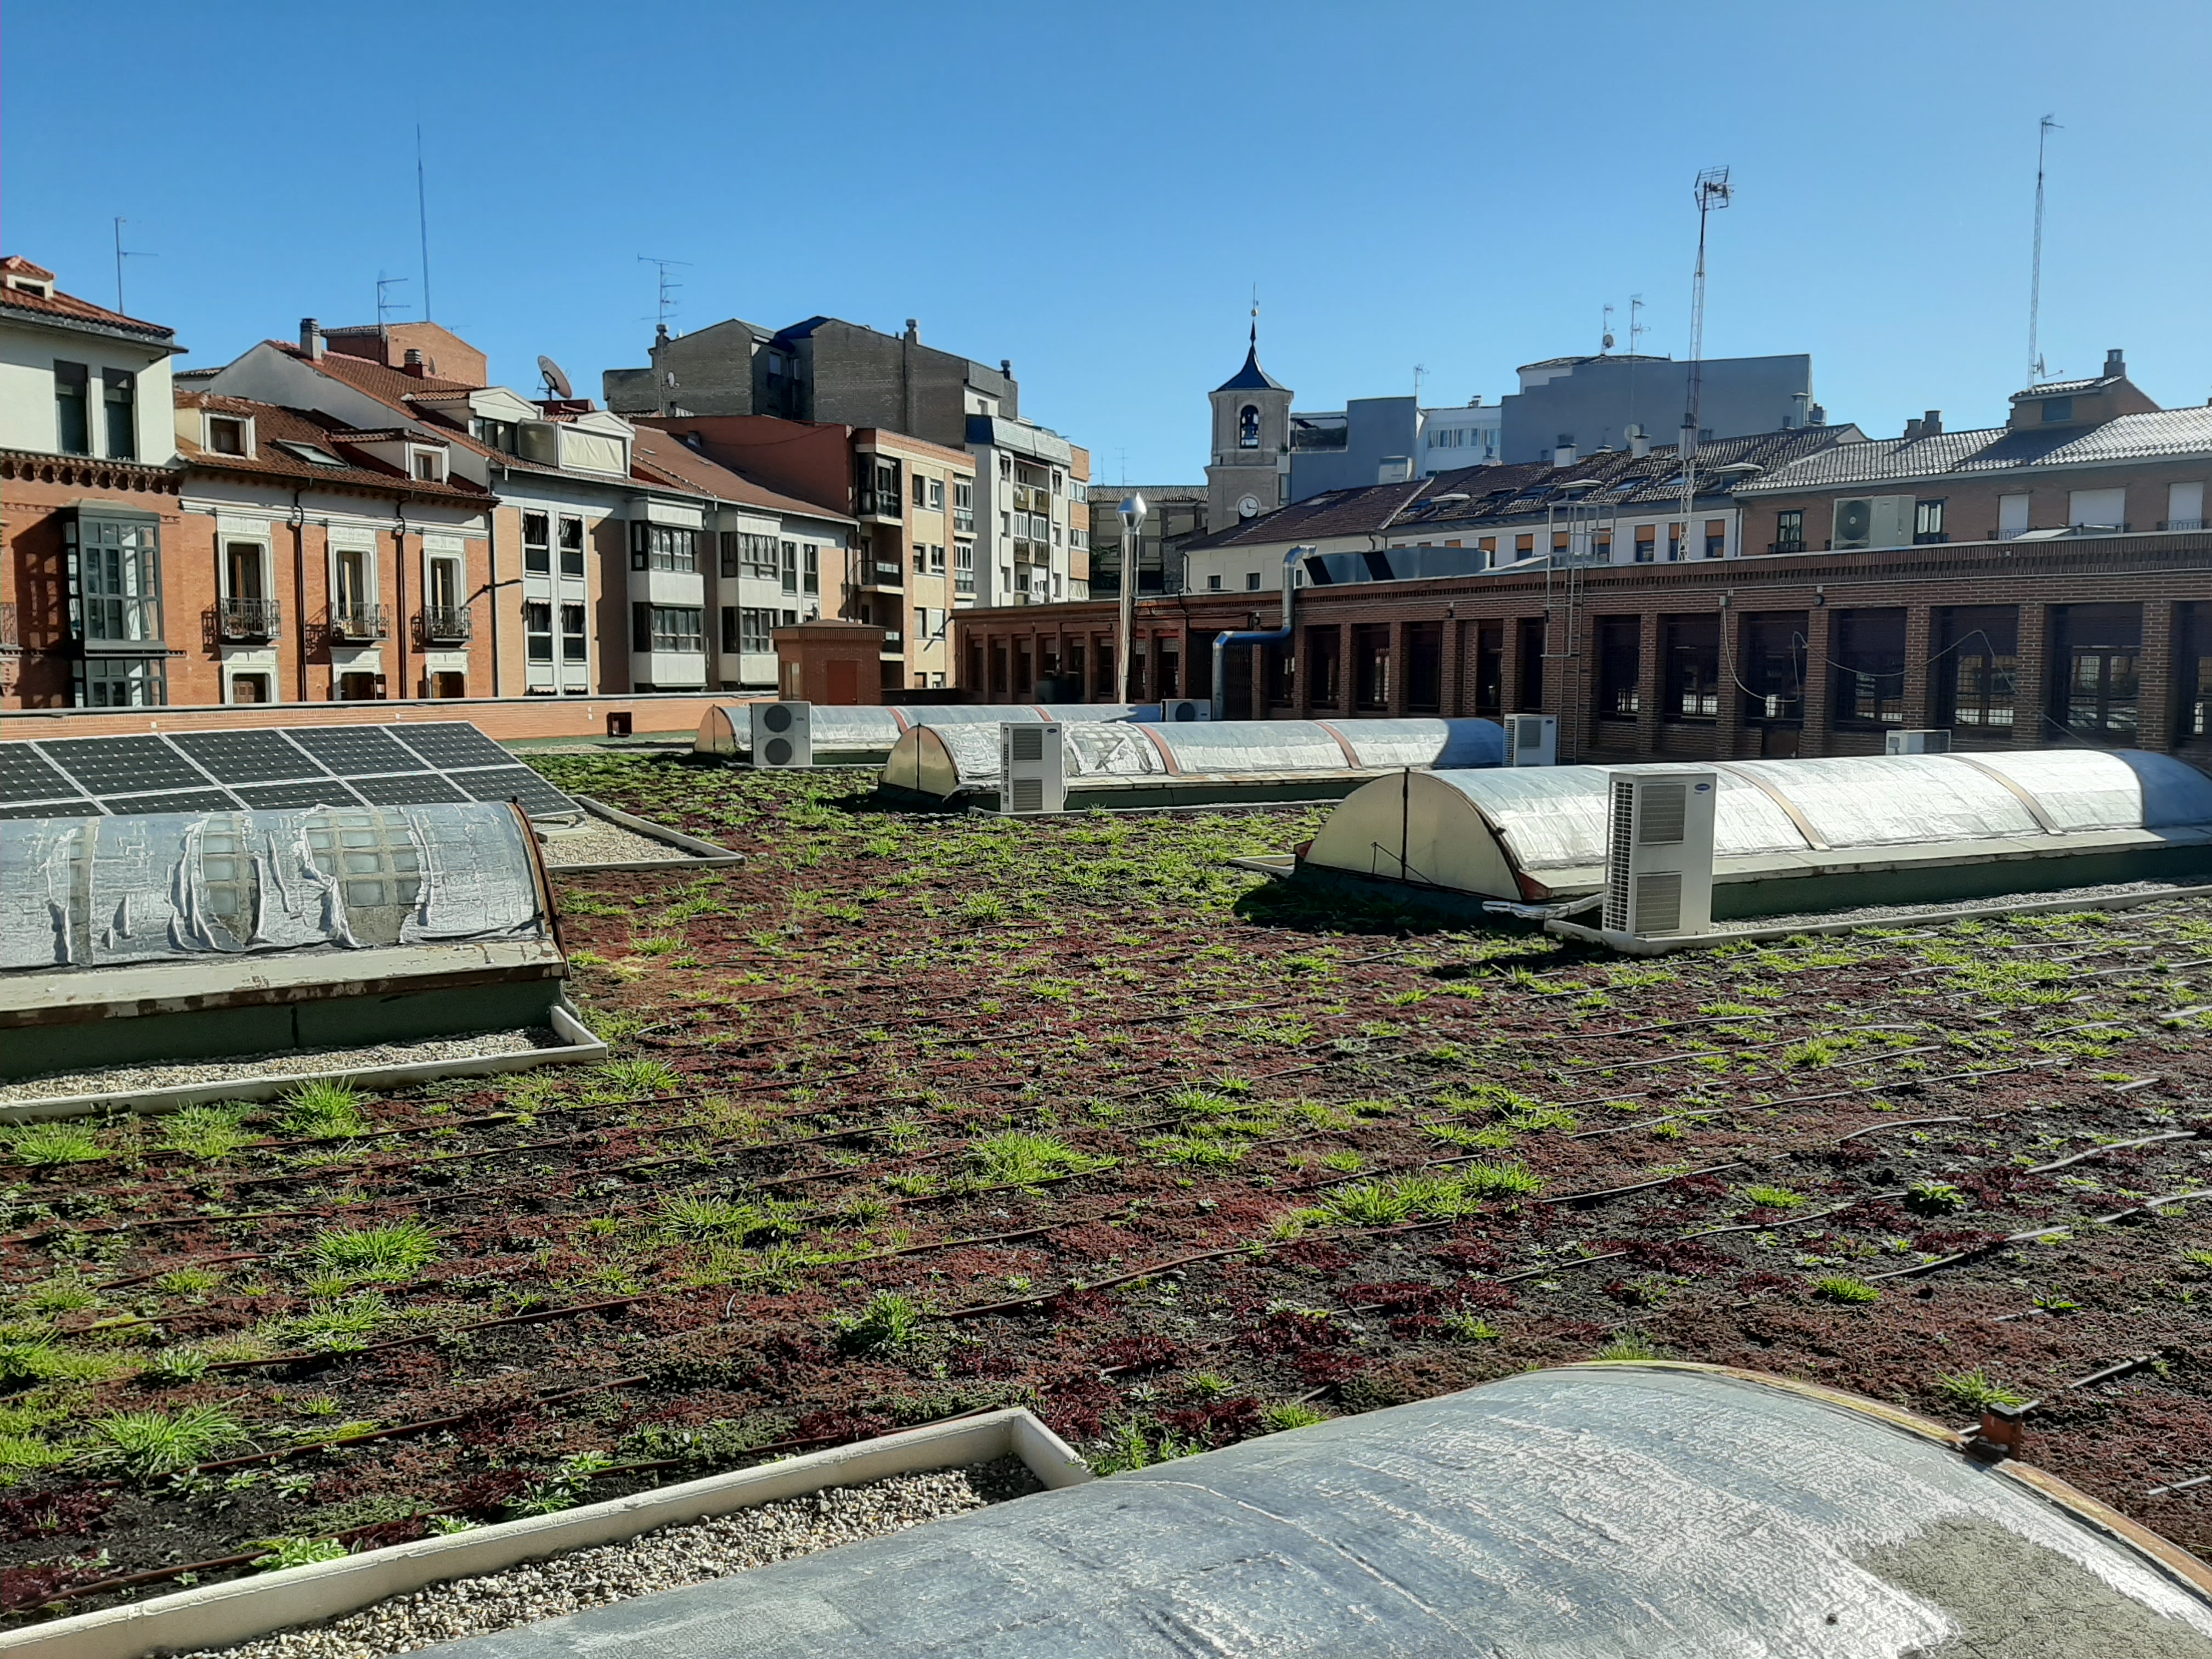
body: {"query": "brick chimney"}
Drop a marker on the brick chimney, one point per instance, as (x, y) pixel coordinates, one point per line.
(413, 364)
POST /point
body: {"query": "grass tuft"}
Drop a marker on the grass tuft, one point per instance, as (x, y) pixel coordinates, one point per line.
(150, 1443)
(325, 1109)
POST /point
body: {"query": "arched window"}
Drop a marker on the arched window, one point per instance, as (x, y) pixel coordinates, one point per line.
(1247, 427)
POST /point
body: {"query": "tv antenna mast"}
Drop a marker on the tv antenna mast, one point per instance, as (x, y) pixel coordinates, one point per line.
(2035, 371)
(665, 293)
(121, 254)
(1420, 373)
(1713, 192)
(384, 305)
(423, 219)
(1605, 332)
(1636, 326)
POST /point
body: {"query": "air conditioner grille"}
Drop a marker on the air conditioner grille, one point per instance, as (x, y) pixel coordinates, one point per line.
(1666, 814)
(1028, 795)
(1026, 743)
(1619, 836)
(776, 718)
(779, 750)
(1658, 902)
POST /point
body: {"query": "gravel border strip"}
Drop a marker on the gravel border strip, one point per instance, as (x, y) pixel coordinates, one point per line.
(665, 1559)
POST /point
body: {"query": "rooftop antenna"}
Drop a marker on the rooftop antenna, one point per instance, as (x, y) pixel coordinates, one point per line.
(1713, 192)
(384, 305)
(423, 219)
(121, 254)
(1420, 373)
(666, 304)
(556, 383)
(2043, 131)
(1636, 326)
(1605, 333)
(1124, 465)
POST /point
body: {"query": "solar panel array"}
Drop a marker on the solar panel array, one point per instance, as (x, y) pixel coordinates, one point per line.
(267, 768)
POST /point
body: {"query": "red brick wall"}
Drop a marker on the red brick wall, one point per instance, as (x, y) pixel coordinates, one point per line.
(2160, 573)
(36, 497)
(508, 719)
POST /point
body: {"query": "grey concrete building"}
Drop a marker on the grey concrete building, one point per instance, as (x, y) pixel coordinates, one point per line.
(1590, 403)
(821, 369)
(1369, 441)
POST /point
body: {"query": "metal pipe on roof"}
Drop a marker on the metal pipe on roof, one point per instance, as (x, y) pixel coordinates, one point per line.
(1223, 641)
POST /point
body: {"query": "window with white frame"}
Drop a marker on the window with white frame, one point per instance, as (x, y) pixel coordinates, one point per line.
(537, 629)
(229, 434)
(810, 569)
(430, 465)
(538, 543)
(575, 647)
(663, 547)
(937, 494)
(115, 570)
(756, 630)
(790, 570)
(667, 627)
(963, 567)
(572, 545)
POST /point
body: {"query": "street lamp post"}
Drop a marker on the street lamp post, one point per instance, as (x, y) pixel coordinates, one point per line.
(1133, 525)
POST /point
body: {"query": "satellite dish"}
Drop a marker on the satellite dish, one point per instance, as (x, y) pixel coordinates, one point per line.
(556, 383)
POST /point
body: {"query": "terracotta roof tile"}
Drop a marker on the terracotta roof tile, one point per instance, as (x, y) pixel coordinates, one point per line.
(67, 308)
(663, 453)
(274, 425)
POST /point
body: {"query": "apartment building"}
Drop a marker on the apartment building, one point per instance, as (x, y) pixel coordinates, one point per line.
(88, 492)
(595, 581)
(764, 559)
(1616, 507)
(824, 370)
(2088, 457)
(1033, 523)
(912, 558)
(315, 561)
(168, 546)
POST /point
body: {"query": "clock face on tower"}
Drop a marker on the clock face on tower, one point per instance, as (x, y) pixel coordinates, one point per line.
(1248, 508)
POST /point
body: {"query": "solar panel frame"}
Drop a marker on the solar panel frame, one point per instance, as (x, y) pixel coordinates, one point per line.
(538, 798)
(296, 792)
(248, 754)
(26, 774)
(452, 745)
(230, 768)
(75, 807)
(406, 789)
(170, 801)
(348, 750)
(133, 765)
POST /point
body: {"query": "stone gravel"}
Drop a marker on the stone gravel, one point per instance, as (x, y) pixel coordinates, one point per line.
(667, 1559)
(601, 843)
(125, 1079)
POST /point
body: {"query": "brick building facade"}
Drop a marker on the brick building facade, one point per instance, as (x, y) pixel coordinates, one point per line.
(2104, 639)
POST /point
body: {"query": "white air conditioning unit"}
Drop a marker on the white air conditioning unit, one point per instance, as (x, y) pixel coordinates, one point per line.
(1916, 743)
(1186, 708)
(1532, 740)
(1874, 521)
(783, 734)
(1032, 768)
(1659, 853)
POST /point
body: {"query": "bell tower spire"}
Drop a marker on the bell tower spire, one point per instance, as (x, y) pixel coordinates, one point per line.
(1249, 470)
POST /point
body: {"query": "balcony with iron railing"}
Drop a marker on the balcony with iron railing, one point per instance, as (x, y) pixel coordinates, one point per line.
(360, 622)
(1796, 545)
(10, 640)
(882, 504)
(237, 619)
(2181, 523)
(883, 573)
(446, 624)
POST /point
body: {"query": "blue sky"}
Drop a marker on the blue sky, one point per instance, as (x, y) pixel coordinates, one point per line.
(1094, 191)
